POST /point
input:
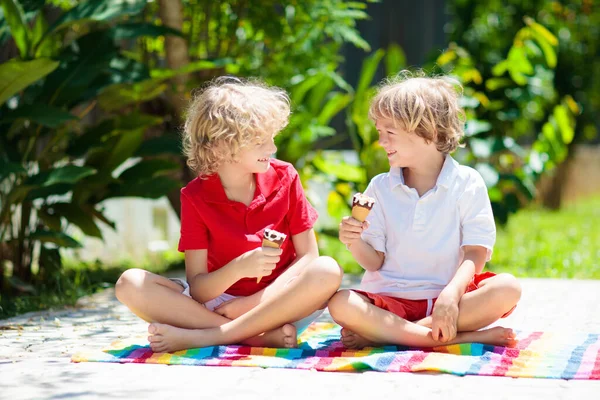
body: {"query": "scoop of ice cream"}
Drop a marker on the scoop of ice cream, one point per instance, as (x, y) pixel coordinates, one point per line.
(363, 200)
(274, 236)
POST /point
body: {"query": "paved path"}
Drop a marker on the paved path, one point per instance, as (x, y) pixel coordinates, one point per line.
(35, 350)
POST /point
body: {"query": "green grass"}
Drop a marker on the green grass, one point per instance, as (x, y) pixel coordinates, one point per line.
(545, 244)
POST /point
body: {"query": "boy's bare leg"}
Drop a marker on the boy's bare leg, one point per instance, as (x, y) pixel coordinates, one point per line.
(157, 299)
(313, 286)
(371, 324)
(477, 309)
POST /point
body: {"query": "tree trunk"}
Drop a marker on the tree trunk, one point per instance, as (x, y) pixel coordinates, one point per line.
(552, 196)
(177, 51)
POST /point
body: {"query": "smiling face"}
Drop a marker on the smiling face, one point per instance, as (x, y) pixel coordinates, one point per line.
(404, 149)
(255, 158)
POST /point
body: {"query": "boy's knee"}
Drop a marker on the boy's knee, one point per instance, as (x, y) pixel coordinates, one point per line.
(128, 282)
(510, 288)
(326, 271)
(338, 305)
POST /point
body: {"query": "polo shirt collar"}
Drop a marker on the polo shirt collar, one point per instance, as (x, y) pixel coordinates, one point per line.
(445, 178)
(266, 184)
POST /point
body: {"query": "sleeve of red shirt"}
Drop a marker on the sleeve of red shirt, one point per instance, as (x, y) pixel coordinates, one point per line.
(194, 234)
(301, 215)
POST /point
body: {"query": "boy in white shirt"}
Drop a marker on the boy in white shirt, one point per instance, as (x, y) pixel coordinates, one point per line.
(427, 239)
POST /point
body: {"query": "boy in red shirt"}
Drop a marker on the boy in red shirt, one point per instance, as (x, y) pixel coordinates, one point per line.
(240, 191)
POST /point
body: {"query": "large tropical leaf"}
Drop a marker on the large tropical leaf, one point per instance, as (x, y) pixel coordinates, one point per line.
(98, 10)
(16, 75)
(58, 238)
(137, 29)
(154, 188)
(13, 13)
(80, 76)
(42, 114)
(118, 96)
(76, 215)
(69, 174)
(148, 168)
(160, 145)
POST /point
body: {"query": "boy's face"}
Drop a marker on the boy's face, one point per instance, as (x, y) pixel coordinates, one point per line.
(255, 158)
(403, 149)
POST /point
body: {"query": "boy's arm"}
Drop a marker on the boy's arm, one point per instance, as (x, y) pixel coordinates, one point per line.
(350, 235)
(205, 286)
(473, 263)
(305, 244)
(444, 318)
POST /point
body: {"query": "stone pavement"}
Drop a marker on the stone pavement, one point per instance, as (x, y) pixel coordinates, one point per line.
(35, 352)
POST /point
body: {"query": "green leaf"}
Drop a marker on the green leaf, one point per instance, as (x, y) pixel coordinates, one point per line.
(195, 66)
(148, 168)
(51, 220)
(13, 13)
(7, 168)
(395, 60)
(497, 83)
(562, 119)
(78, 216)
(353, 36)
(17, 75)
(159, 145)
(98, 10)
(367, 72)
(154, 188)
(58, 238)
(542, 31)
(340, 169)
(42, 114)
(334, 105)
(68, 174)
(137, 29)
(121, 95)
(126, 146)
(337, 206)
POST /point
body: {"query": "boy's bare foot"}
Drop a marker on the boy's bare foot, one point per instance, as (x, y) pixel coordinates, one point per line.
(284, 337)
(351, 340)
(497, 336)
(166, 338)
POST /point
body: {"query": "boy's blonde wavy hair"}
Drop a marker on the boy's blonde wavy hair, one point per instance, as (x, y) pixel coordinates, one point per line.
(228, 115)
(427, 106)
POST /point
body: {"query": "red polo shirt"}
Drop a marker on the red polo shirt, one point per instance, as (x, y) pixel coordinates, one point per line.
(228, 229)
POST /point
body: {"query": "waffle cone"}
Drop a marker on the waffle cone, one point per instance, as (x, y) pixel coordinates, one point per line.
(360, 213)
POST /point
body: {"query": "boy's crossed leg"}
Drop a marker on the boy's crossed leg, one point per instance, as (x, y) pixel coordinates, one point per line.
(365, 324)
(179, 322)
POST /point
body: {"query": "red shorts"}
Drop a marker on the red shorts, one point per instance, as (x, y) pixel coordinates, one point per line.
(414, 310)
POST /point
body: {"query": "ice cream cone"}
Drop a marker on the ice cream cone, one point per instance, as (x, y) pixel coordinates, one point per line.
(273, 239)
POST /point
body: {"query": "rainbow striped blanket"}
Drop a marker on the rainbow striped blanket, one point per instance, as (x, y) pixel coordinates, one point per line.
(537, 355)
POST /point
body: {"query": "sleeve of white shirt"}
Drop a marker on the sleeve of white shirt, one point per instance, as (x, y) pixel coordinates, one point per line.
(375, 235)
(477, 220)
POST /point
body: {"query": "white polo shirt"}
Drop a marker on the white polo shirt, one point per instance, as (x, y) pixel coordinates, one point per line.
(422, 237)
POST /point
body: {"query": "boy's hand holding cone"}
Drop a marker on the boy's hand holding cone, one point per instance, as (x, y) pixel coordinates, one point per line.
(274, 239)
(352, 227)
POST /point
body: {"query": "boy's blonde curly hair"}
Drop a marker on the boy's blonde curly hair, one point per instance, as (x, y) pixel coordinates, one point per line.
(427, 106)
(228, 115)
